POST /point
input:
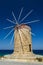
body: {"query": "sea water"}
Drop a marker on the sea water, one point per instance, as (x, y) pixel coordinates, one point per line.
(6, 52)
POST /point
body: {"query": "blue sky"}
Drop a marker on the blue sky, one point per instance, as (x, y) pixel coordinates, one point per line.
(6, 8)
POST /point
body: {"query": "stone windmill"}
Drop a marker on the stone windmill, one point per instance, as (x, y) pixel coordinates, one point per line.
(22, 36)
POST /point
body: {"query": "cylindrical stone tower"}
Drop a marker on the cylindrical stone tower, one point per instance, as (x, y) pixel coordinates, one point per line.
(22, 39)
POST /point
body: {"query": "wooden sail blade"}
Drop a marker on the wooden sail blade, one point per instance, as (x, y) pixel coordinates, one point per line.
(12, 39)
(20, 14)
(8, 34)
(31, 21)
(14, 17)
(32, 34)
(26, 15)
(8, 27)
(11, 21)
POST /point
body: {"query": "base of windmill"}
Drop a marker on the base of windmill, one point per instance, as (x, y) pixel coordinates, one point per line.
(27, 57)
